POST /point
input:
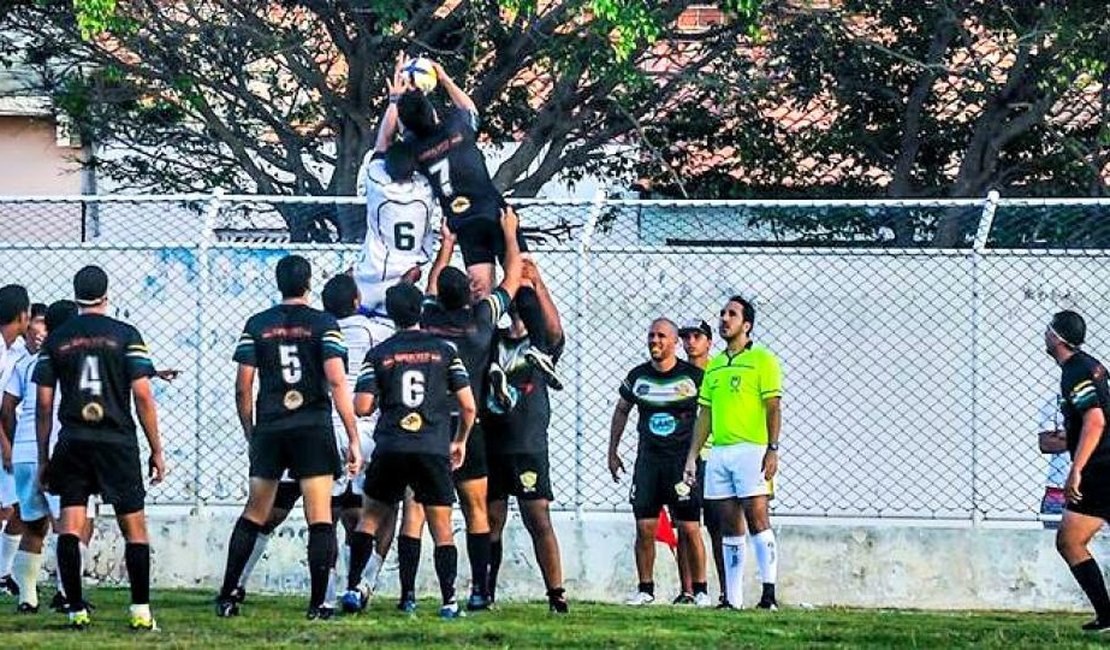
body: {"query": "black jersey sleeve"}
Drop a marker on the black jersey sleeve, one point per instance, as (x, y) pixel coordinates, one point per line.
(464, 119)
(457, 376)
(245, 350)
(490, 309)
(626, 387)
(333, 345)
(1088, 388)
(139, 363)
(44, 374)
(367, 381)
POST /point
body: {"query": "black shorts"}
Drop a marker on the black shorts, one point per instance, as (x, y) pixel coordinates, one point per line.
(348, 499)
(429, 476)
(524, 476)
(657, 482)
(1094, 485)
(80, 468)
(287, 494)
(475, 464)
(305, 452)
(482, 241)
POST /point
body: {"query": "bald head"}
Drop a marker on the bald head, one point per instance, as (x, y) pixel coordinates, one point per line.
(662, 341)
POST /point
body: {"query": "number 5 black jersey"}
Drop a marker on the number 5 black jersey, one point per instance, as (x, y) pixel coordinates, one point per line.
(413, 377)
(93, 359)
(289, 344)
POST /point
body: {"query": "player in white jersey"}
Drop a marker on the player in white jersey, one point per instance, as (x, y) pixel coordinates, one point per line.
(402, 215)
(341, 299)
(15, 308)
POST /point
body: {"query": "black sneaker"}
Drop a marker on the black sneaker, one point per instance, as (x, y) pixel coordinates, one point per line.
(27, 608)
(683, 599)
(557, 602)
(499, 388)
(477, 603)
(1097, 626)
(767, 603)
(58, 603)
(8, 586)
(238, 594)
(226, 607)
(545, 364)
(321, 613)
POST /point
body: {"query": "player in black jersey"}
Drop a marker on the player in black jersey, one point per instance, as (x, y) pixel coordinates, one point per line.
(665, 394)
(447, 153)
(1085, 400)
(98, 363)
(411, 378)
(449, 315)
(516, 437)
(299, 356)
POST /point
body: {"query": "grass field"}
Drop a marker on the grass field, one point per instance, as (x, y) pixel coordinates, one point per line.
(187, 620)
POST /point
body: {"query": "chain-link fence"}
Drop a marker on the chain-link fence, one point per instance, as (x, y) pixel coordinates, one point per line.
(910, 332)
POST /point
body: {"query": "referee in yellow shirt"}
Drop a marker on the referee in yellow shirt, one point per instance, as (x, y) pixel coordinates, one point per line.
(740, 397)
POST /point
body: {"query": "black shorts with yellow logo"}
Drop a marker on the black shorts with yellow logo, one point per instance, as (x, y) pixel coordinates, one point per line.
(482, 241)
(657, 481)
(524, 476)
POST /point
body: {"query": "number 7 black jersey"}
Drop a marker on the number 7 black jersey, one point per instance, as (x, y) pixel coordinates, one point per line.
(289, 344)
(457, 170)
(413, 377)
(93, 359)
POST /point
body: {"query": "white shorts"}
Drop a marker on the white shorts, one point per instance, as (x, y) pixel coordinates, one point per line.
(736, 471)
(34, 504)
(366, 438)
(8, 496)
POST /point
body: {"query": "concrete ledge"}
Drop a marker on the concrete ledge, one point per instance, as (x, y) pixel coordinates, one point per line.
(820, 565)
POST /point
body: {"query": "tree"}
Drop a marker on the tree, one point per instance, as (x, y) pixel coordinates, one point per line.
(282, 97)
(882, 98)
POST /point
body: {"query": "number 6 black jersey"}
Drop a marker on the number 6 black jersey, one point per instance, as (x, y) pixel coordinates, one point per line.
(413, 377)
(93, 359)
(289, 344)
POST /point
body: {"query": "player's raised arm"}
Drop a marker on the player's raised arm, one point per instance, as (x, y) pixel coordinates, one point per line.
(443, 258)
(388, 127)
(552, 321)
(458, 96)
(514, 262)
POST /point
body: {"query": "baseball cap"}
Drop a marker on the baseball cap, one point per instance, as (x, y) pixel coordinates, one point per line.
(90, 286)
(696, 325)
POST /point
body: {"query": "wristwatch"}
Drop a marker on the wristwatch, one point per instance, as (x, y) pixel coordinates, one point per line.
(772, 446)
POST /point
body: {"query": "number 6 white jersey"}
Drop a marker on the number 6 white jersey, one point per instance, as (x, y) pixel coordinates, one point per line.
(401, 222)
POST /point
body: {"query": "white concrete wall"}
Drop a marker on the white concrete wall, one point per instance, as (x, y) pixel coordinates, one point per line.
(880, 565)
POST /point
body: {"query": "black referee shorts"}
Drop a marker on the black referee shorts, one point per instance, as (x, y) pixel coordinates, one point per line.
(305, 452)
(80, 468)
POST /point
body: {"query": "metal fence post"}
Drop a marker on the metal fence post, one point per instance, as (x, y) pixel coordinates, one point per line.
(982, 234)
(582, 295)
(206, 237)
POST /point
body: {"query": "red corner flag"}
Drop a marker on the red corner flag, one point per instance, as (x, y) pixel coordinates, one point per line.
(664, 530)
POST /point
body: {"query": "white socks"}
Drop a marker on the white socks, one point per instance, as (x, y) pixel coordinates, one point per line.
(25, 571)
(767, 555)
(733, 547)
(9, 544)
(260, 543)
(373, 568)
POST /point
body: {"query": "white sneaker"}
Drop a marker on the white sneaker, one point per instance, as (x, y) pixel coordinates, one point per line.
(640, 598)
(702, 600)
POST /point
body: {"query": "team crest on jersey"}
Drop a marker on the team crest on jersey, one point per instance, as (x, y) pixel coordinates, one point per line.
(682, 490)
(528, 481)
(734, 384)
(92, 412)
(412, 422)
(293, 400)
(460, 204)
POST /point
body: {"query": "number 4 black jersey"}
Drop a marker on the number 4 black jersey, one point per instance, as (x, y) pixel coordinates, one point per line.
(93, 359)
(289, 344)
(413, 376)
(451, 160)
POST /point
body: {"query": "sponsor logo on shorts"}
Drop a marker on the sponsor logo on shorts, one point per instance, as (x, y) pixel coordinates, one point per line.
(460, 204)
(682, 490)
(528, 481)
(293, 400)
(412, 422)
(92, 412)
